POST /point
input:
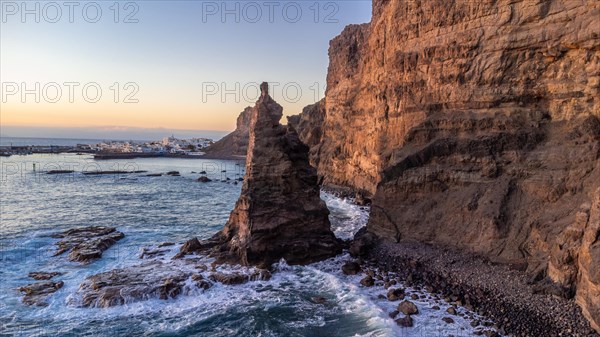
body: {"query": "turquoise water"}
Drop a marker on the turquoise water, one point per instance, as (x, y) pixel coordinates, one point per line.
(152, 210)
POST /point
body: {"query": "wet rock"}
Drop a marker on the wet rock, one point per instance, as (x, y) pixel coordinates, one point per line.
(174, 173)
(261, 275)
(405, 322)
(87, 244)
(201, 282)
(117, 287)
(351, 268)
(319, 300)
(154, 175)
(151, 253)
(448, 320)
(37, 293)
(491, 333)
(451, 311)
(435, 307)
(395, 294)
(408, 308)
(368, 281)
(361, 200)
(166, 244)
(229, 278)
(60, 172)
(204, 179)
(189, 247)
(41, 275)
(393, 314)
(363, 241)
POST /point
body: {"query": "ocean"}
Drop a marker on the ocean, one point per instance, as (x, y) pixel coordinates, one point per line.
(152, 210)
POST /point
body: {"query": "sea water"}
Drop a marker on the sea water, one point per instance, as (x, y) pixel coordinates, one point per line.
(152, 210)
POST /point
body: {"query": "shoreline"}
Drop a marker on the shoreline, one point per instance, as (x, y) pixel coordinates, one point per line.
(123, 156)
(495, 291)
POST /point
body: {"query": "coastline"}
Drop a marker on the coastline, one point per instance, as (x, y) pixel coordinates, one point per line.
(135, 155)
(498, 292)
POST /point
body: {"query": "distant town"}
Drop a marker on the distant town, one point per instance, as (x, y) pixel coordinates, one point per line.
(167, 147)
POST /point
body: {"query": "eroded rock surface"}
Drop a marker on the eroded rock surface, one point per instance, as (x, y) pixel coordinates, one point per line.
(86, 244)
(155, 279)
(162, 279)
(280, 213)
(37, 293)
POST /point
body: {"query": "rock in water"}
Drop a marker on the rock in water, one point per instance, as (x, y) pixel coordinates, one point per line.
(87, 244)
(37, 293)
(279, 213)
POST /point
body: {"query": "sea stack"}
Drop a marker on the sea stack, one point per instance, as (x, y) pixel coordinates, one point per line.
(279, 213)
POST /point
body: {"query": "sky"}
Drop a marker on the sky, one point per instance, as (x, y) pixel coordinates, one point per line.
(72, 67)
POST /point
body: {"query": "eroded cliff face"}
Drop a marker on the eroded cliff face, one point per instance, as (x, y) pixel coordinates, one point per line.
(309, 125)
(235, 143)
(473, 58)
(279, 213)
(475, 125)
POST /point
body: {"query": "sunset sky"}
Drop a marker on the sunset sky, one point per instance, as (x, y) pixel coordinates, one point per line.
(175, 59)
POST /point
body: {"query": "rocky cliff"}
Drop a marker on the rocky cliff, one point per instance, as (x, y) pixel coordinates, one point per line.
(279, 213)
(235, 143)
(475, 125)
(309, 125)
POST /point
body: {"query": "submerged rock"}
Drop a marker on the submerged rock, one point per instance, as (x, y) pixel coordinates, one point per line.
(37, 293)
(41, 275)
(87, 244)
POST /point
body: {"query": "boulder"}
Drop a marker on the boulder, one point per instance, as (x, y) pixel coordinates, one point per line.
(408, 308)
(405, 322)
(368, 281)
(351, 268)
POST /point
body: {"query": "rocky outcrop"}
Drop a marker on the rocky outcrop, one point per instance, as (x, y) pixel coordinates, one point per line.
(120, 286)
(475, 125)
(279, 213)
(235, 143)
(37, 293)
(309, 125)
(86, 244)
